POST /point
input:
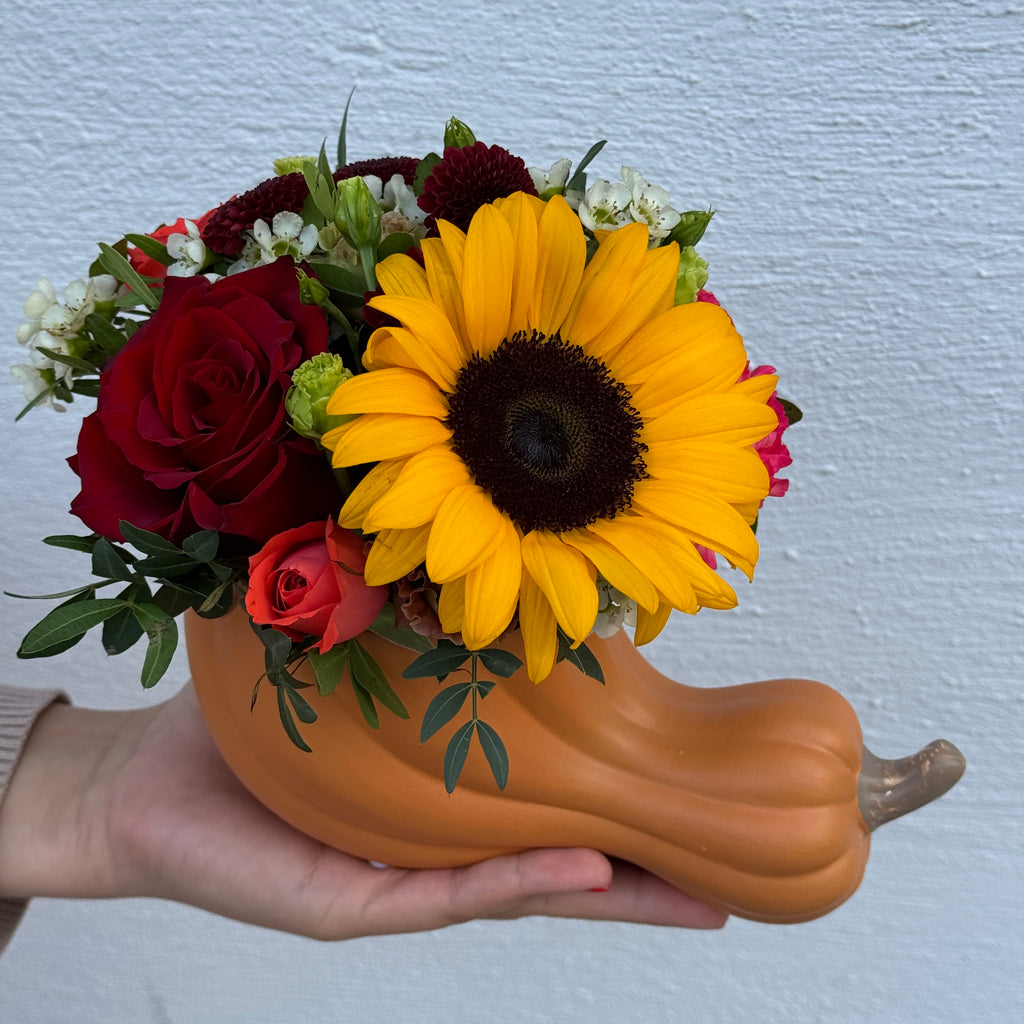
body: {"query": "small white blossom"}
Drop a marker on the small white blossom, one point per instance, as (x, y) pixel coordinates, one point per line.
(609, 205)
(52, 325)
(551, 182)
(187, 250)
(400, 202)
(35, 384)
(650, 205)
(50, 320)
(615, 610)
(605, 206)
(287, 235)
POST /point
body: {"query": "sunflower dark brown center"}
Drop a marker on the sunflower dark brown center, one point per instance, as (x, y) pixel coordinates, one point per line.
(547, 432)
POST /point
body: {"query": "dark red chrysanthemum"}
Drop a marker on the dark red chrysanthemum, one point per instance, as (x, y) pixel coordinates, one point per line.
(223, 231)
(384, 167)
(467, 178)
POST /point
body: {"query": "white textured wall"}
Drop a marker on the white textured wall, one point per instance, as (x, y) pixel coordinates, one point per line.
(865, 159)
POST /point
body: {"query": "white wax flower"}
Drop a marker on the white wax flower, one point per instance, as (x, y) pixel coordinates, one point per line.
(552, 181)
(187, 250)
(610, 205)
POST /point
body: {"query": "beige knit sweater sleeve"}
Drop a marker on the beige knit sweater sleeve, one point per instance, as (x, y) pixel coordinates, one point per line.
(18, 711)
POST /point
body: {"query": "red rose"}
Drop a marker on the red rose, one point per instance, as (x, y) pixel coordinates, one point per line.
(190, 430)
(149, 267)
(308, 582)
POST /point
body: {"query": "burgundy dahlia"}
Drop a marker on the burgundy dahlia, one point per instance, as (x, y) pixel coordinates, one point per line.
(223, 231)
(467, 178)
(384, 167)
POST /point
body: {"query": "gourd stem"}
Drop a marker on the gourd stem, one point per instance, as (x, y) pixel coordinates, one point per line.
(890, 789)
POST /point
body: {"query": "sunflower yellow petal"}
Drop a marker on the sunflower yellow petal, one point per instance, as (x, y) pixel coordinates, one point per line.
(522, 216)
(704, 518)
(650, 293)
(443, 281)
(567, 578)
(385, 349)
(418, 492)
(681, 354)
(465, 531)
(759, 388)
(451, 605)
(394, 554)
(735, 474)
(561, 258)
(602, 292)
(728, 419)
(371, 488)
(428, 338)
(372, 438)
(492, 591)
(615, 567)
(649, 625)
(402, 275)
(487, 280)
(393, 389)
(539, 629)
(657, 550)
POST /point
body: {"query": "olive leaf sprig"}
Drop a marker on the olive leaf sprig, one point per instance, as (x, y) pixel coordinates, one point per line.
(189, 576)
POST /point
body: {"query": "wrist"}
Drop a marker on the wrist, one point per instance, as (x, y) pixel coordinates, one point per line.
(55, 816)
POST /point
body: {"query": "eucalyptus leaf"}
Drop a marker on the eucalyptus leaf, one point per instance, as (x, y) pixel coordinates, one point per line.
(87, 387)
(115, 264)
(165, 566)
(501, 663)
(173, 600)
(121, 632)
(367, 673)
(107, 563)
(202, 546)
(82, 365)
(162, 631)
(579, 177)
(445, 658)
(303, 709)
(219, 601)
(328, 668)
(455, 755)
(401, 636)
(289, 722)
(366, 706)
(79, 592)
(66, 622)
(582, 657)
(792, 411)
(105, 335)
(148, 543)
(60, 648)
(37, 400)
(443, 708)
(494, 751)
(152, 248)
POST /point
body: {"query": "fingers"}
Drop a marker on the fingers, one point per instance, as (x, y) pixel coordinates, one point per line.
(635, 896)
(558, 883)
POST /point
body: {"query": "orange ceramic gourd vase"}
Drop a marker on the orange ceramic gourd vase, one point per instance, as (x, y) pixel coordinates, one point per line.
(756, 799)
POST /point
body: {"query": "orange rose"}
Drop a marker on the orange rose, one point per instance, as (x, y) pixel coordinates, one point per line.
(308, 582)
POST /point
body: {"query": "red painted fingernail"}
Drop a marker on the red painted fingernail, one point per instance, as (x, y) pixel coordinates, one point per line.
(603, 888)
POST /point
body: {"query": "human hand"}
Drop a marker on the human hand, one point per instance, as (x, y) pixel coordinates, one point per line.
(140, 803)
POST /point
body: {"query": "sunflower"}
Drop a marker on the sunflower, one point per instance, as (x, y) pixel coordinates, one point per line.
(536, 420)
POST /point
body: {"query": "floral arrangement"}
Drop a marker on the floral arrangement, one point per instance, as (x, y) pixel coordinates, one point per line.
(439, 400)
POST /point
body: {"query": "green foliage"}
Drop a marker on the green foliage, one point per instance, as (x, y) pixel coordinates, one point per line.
(187, 577)
(578, 179)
